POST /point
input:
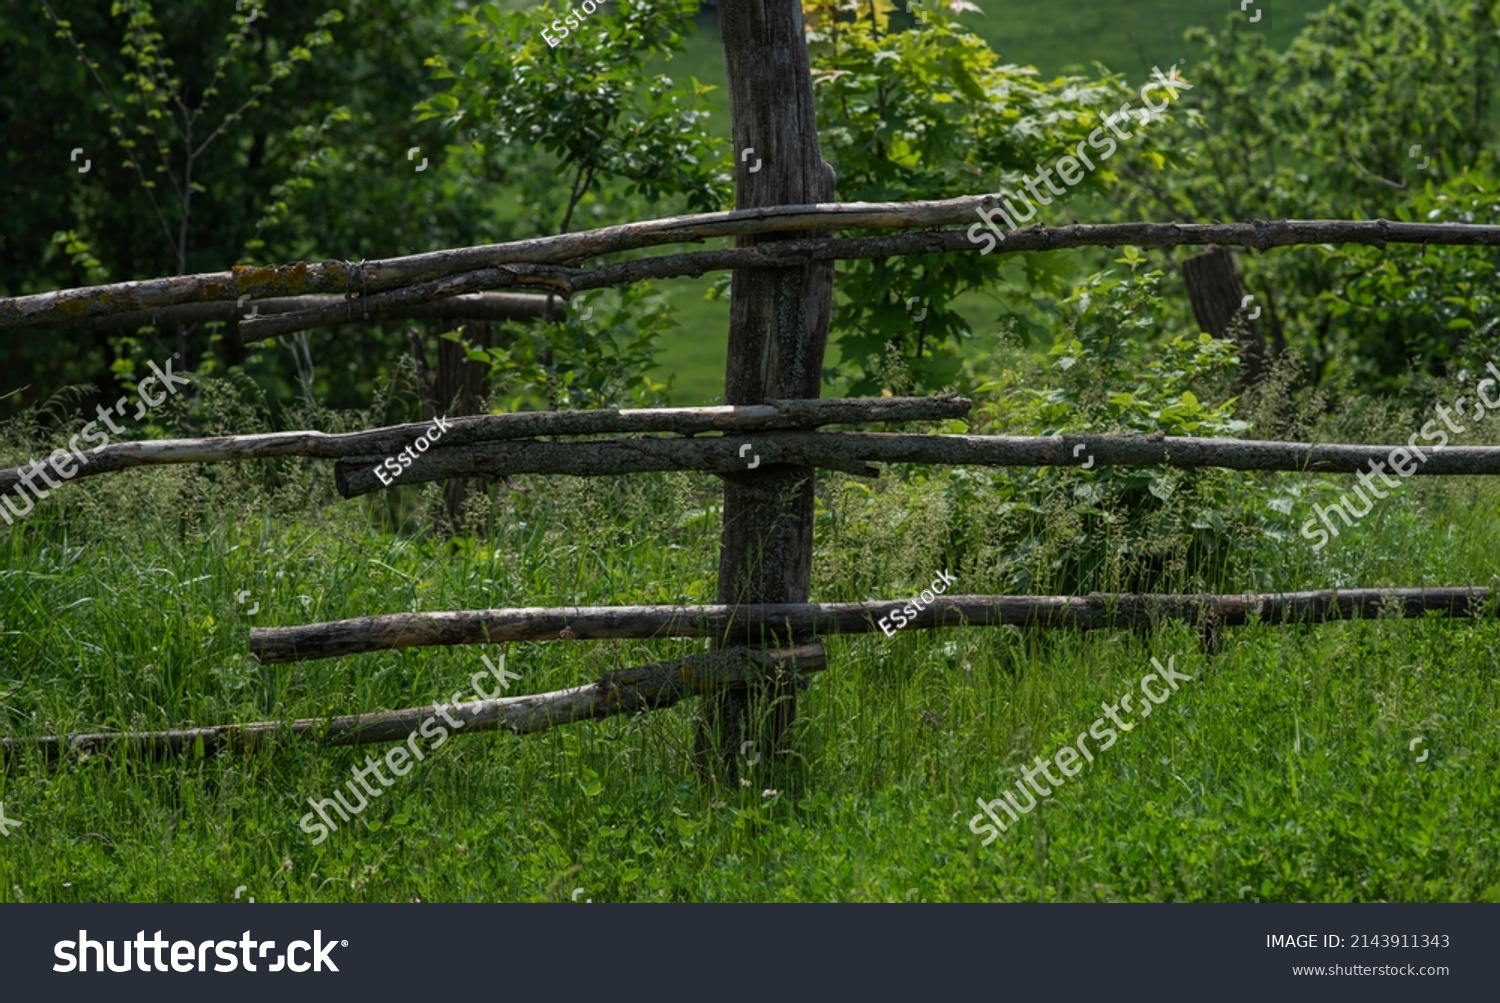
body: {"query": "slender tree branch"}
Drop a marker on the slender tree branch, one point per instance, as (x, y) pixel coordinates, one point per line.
(1371, 174)
(162, 150)
(119, 117)
(187, 204)
(255, 95)
(220, 66)
(580, 188)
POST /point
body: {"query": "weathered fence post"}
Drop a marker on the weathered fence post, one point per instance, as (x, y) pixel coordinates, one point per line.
(778, 329)
(455, 389)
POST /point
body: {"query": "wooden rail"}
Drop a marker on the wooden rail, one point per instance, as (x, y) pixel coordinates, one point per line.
(754, 623)
(381, 442)
(622, 691)
(469, 306)
(392, 284)
(852, 452)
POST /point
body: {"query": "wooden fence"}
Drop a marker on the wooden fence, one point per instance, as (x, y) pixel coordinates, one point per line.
(764, 630)
(760, 647)
(756, 642)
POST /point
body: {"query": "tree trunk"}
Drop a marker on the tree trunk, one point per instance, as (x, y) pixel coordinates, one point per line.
(1215, 288)
(778, 329)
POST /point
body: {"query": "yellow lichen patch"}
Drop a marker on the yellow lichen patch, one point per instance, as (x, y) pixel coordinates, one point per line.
(291, 279)
(243, 276)
(262, 278)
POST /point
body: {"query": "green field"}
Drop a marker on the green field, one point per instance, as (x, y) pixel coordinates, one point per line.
(1282, 771)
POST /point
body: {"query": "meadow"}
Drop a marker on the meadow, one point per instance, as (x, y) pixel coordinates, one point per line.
(1284, 771)
(1346, 761)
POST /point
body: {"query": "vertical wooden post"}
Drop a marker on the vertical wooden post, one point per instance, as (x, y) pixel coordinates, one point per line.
(778, 330)
(454, 388)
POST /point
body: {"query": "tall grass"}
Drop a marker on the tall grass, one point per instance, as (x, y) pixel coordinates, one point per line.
(1282, 772)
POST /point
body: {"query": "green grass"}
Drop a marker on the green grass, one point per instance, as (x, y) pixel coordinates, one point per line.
(1127, 38)
(1282, 772)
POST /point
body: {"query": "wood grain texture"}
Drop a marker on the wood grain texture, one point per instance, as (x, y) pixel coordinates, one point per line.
(851, 452)
(778, 331)
(484, 447)
(470, 306)
(1217, 292)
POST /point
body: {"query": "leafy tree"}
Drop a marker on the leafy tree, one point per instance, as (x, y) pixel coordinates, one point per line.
(930, 112)
(589, 105)
(171, 129)
(1441, 304)
(1369, 104)
(625, 144)
(316, 118)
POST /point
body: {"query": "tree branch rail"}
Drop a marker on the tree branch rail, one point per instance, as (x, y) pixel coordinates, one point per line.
(753, 624)
(391, 284)
(623, 691)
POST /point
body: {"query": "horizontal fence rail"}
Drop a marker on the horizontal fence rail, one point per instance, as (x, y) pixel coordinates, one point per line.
(752, 624)
(750, 436)
(623, 691)
(773, 414)
(398, 283)
(777, 434)
(468, 306)
(851, 452)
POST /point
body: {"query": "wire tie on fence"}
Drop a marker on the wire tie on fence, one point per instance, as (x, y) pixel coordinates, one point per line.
(364, 284)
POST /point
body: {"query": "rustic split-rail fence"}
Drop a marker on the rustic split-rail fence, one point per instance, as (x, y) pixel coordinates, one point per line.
(765, 632)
